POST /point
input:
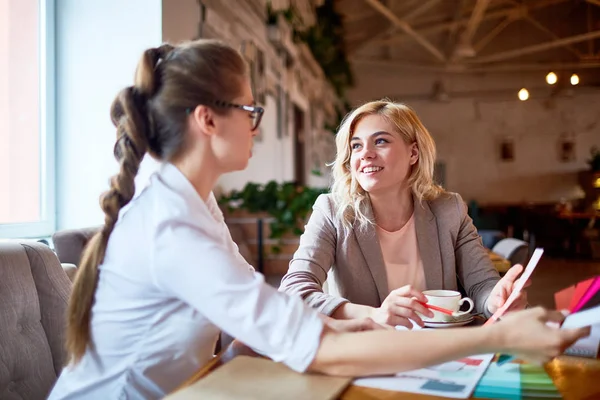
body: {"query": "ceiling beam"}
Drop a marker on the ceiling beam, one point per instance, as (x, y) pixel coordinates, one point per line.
(437, 18)
(475, 68)
(393, 29)
(444, 26)
(551, 34)
(518, 12)
(426, 5)
(451, 36)
(360, 16)
(466, 38)
(492, 34)
(383, 10)
(538, 47)
(590, 25)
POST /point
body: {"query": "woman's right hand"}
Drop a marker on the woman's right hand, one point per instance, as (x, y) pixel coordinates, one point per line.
(401, 305)
(534, 335)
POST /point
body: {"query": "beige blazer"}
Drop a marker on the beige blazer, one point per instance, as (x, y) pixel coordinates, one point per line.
(450, 247)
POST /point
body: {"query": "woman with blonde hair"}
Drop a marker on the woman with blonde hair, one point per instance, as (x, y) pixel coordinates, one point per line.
(387, 232)
(163, 277)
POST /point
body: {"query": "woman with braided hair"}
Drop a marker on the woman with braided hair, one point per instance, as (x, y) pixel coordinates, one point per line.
(162, 278)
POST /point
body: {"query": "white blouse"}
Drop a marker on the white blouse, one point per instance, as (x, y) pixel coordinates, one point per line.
(172, 278)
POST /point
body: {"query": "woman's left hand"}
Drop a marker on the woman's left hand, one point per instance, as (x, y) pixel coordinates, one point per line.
(504, 288)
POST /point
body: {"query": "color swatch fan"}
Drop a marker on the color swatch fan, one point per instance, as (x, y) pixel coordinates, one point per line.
(516, 381)
(579, 297)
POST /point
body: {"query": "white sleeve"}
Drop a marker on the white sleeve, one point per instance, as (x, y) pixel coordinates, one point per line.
(198, 268)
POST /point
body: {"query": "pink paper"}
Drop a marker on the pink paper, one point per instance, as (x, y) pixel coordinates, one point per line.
(580, 290)
(594, 287)
(562, 299)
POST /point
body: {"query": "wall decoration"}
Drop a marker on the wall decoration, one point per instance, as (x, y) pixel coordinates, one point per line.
(255, 58)
(202, 11)
(507, 150)
(286, 108)
(566, 148)
(260, 77)
(280, 99)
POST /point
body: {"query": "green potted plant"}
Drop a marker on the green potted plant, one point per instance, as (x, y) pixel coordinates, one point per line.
(594, 161)
(287, 204)
(589, 181)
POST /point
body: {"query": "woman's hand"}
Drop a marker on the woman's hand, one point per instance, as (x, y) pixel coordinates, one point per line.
(534, 334)
(401, 305)
(504, 288)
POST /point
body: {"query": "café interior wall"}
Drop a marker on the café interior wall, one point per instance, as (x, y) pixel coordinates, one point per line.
(273, 152)
(272, 156)
(484, 111)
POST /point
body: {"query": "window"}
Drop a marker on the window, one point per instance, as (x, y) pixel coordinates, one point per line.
(26, 118)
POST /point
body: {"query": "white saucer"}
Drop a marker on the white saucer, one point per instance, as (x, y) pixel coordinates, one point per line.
(463, 320)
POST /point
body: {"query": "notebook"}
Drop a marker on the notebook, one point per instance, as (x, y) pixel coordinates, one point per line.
(588, 346)
(258, 378)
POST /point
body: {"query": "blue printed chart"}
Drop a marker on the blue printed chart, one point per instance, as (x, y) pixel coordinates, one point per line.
(454, 379)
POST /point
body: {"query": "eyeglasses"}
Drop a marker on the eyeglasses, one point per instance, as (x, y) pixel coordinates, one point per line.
(256, 112)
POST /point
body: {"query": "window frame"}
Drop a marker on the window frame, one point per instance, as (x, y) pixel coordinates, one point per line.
(47, 132)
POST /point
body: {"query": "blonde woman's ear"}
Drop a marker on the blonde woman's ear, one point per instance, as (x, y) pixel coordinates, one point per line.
(414, 154)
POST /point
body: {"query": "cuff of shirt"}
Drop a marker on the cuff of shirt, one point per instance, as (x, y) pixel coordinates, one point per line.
(306, 343)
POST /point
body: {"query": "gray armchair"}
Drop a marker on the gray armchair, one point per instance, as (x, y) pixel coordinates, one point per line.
(69, 243)
(514, 250)
(34, 292)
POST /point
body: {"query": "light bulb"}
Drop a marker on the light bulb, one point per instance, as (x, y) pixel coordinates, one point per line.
(574, 79)
(523, 94)
(551, 78)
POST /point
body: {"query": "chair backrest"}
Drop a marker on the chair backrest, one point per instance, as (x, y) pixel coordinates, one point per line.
(514, 250)
(34, 292)
(69, 243)
(490, 237)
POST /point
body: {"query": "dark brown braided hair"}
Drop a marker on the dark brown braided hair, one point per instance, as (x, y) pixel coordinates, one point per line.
(150, 116)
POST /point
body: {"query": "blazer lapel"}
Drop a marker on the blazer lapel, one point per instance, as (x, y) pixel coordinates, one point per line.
(429, 245)
(371, 249)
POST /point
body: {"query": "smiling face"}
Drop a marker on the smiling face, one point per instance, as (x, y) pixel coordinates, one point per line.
(380, 160)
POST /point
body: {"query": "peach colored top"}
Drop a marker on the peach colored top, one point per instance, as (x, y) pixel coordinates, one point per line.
(401, 256)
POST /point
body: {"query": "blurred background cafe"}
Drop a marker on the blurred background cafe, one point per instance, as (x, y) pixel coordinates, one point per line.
(509, 89)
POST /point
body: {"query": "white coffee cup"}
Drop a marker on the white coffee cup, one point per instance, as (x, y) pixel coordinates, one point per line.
(448, 299)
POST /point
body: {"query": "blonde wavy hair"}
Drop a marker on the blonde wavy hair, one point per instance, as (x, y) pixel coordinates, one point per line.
(349, 197)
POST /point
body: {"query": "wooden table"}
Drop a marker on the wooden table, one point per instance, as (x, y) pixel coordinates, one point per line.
(576, 378)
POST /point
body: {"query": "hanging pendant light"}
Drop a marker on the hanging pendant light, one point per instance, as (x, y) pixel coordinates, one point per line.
(523, 94)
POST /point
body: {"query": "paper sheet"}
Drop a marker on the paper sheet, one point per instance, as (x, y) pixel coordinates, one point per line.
(455, 379)
(588, 317)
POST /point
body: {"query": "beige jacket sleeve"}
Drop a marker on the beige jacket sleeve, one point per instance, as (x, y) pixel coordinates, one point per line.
(474, 267)
(312, 261)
